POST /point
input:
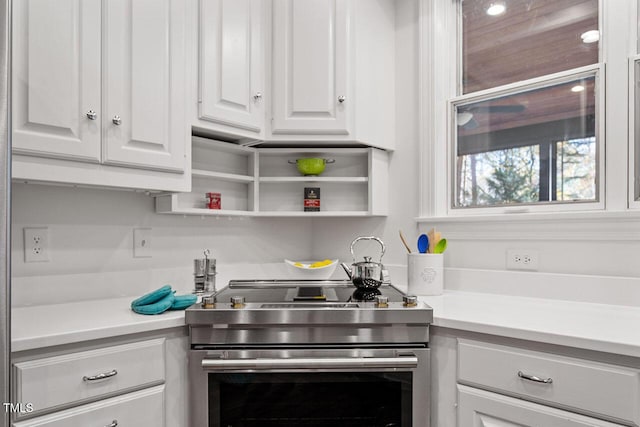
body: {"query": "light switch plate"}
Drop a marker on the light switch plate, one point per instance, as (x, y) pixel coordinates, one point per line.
(142, 243)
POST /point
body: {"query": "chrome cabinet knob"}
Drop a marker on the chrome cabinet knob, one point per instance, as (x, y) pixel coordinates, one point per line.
(114, 423)
(116, 120)
(92, 115)
(257, 96)
(342, 98)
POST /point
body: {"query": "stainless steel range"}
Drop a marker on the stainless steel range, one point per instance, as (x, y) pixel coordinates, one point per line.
(312, 353)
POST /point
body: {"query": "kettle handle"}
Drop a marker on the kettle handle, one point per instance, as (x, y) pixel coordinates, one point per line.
(357, 239)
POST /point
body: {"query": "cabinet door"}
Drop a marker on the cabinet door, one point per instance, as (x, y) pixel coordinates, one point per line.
(310, 65)
(144, 85)
(231, 58)
(56, 78)
(479, 408)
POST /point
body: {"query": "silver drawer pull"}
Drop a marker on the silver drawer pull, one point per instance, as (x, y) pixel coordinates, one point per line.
(534, 378)
(114, 423)
(100, 377)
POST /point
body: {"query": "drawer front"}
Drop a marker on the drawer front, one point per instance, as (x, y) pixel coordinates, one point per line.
(589, 387)
(479, 408)
(83, 376)
(140, 408)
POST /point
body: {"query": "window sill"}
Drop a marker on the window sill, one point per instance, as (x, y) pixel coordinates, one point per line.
(595, 225)
(589, 216)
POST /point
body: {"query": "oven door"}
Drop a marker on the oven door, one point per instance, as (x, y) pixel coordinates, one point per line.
(309, 387)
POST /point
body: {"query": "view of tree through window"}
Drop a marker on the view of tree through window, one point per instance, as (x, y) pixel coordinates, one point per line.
(503, 177)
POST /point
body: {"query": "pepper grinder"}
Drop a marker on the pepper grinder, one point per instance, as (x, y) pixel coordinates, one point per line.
(210, 274)
(199, 268)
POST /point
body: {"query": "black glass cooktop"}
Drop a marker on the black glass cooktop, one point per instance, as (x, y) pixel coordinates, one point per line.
(307, 291)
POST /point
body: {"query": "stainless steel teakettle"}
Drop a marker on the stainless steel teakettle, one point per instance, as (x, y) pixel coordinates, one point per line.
(366, 274)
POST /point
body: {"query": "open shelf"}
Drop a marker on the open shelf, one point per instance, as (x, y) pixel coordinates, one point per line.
(261, 182)
(318, 179)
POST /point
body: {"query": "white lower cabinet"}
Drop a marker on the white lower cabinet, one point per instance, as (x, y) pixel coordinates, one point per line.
(135, 382)
(481, 380)
(525, 387)
(140, 408)
(479, 408)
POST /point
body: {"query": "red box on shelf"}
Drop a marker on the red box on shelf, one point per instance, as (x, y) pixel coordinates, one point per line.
(214, 201)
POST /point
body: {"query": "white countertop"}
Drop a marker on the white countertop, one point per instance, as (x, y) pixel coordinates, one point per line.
(56, 324)
(600, 327)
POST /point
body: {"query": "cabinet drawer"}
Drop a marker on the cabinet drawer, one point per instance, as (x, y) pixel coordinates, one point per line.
(576, 384)
(79, 377)
(478, 408)
(140, 408)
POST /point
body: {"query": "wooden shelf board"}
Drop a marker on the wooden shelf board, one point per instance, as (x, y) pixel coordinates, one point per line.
(344, 179)
(314, 214)
(232, 177)
(209, 212)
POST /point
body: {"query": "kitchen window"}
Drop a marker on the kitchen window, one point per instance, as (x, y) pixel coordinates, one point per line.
(525, 126)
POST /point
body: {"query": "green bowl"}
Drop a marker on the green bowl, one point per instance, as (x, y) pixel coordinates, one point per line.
(312, 165)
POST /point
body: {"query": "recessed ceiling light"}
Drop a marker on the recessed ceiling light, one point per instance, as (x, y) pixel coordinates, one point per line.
(591, 36)
(497, 8)
(577, 88)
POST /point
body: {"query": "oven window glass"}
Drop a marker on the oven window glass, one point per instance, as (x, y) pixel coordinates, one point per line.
(310, 399)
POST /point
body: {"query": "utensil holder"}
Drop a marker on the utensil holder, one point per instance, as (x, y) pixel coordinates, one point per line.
(425, 274)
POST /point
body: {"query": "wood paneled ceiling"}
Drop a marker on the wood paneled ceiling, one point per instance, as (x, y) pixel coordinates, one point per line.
(531, 38)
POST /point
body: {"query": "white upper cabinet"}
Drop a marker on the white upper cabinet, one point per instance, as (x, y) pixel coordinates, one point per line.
(333, 72)
(231, 89)
(303, 72)
(145, 83)
(97, 86)
(56, 78)
(310, 65)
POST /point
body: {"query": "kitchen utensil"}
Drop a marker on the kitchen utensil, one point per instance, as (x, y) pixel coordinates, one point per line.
(404, 242)
(303, 269)
(440, 247)
(423, 244)
(367, 274)
(434, 238)
(311, 165)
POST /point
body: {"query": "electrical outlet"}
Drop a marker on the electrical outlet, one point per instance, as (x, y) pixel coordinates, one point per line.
(142, 243)
(522, 259)
(36, 244)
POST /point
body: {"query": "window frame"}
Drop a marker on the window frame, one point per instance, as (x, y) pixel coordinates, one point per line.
(595, 71)
(634, 130)
(438, 21)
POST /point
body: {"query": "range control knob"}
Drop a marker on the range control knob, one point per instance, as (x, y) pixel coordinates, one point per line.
(237, 302)
(382, 301)
(410, 300)
(208, 301)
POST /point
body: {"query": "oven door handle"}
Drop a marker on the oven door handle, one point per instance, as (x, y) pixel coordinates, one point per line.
(403, 362)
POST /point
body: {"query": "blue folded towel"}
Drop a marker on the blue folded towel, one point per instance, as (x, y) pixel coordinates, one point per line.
(152, 297)
(157, 307)
(161, 300)
(183, 301)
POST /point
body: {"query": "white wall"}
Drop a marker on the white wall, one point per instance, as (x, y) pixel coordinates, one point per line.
(91, 242)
